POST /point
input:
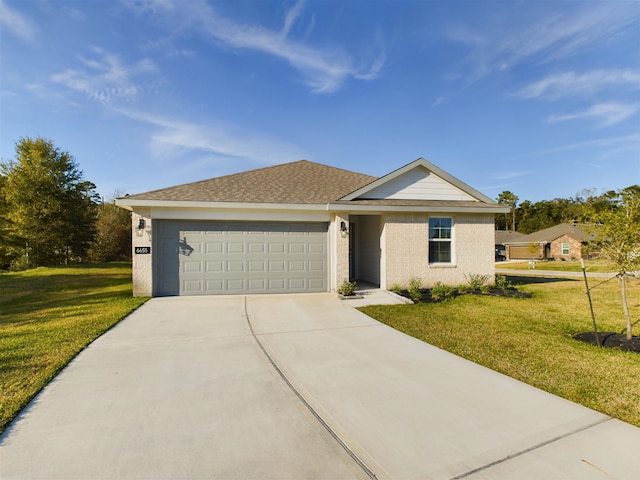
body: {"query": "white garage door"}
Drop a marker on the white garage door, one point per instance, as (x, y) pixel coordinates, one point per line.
(208, 258)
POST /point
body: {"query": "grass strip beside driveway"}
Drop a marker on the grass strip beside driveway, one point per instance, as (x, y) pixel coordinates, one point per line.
(47, 316)
(592, 266)
(531, 339)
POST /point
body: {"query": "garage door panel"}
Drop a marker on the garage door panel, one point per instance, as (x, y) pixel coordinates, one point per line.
(297, 266)
(236, 286)
(235, 247)
(214, 247)
(276, 266)
(232, 257)
(296, 247)
(237, 266)
(276, 247)
(214, 266)
(317, 266)
(257, 266)
(215, 286)
(316, 284)
(296, 284)
(193, 286)
(317, 248)
(256, 247)
(257, 285)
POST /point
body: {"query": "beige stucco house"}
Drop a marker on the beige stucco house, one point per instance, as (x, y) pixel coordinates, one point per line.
(307, 227)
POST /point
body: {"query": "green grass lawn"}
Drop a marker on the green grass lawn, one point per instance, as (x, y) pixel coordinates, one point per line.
(47, 316)
(531, 339)
(594, 266)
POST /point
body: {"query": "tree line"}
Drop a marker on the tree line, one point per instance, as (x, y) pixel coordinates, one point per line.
(528, 217)
(50, 215)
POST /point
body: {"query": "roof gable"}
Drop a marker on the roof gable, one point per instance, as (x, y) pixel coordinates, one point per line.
(419, 180)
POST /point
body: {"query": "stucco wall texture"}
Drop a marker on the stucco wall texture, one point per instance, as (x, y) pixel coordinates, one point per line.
(142, 263)
(341, 262)
(406, 250)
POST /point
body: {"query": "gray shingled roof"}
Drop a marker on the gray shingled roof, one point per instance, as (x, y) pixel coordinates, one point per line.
(504, 237)
(551, 233)
(302, 182)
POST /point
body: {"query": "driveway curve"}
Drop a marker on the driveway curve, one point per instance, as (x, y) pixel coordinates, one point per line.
(297, 386)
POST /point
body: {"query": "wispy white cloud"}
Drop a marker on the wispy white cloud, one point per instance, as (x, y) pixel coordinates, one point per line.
(106, 78)
(174, 138)
(325, 69)
(620, 144)
(568, 84)
(75, 14)
(606, 114)
(168, 46)
(17, 24)
(292, 15)
(512, 175)
(538, 36)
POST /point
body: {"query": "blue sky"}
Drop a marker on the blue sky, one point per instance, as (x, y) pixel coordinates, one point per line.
(541, 98)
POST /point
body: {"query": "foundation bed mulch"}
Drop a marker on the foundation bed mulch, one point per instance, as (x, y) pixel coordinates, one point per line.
(426, 294)
(610, 340)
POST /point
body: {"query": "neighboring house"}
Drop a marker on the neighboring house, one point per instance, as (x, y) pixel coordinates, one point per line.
(307, 227)
(560, 242)
(503, 238)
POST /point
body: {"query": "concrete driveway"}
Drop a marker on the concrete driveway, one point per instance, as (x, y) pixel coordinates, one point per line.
(183, 388)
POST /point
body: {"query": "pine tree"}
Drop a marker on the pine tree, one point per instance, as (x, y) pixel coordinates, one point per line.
(50, 209)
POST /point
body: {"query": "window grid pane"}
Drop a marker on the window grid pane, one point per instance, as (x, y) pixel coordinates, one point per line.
(439, 252)
(440, 240)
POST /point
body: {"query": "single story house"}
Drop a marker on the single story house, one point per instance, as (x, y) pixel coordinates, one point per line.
(308, 227)
(503, 238)
(561, 242)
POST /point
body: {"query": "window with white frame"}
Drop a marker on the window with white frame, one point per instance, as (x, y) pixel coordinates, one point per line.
(565, 248)
(440, 236)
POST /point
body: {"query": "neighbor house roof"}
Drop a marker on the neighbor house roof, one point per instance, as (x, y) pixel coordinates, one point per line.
(550, 234)
(557, 231)
(297, 182)
(504, 237)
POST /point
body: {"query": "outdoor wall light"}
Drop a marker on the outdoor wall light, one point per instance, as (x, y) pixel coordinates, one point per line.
(140, 228)
(343, 229)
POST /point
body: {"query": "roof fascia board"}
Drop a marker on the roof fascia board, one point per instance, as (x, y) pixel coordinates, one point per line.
(133, 203)
(430, 167)
(341, 207)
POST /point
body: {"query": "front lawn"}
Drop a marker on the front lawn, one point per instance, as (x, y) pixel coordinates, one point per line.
(531, 339)
(593, 266)
(47, 316)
